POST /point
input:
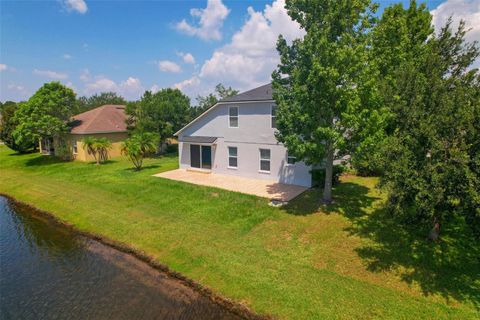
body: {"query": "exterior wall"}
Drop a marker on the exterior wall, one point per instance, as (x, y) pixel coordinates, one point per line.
(116, 139)
(254, 132)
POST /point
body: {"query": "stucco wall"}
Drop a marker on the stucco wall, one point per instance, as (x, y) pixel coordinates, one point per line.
(115, 138)
(254, 132)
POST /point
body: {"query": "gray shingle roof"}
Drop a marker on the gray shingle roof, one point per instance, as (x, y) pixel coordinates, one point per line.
(261, 93)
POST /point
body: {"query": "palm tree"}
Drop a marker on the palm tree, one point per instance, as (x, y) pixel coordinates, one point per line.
(138, 146)
(102, 145)
(98, 147)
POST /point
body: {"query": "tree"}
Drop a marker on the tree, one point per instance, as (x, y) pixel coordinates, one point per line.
(138, 146)
(316, 83)
(8, 125)
(397, 39)
(45, 114)
(162, 113)
(205, 102)
(431, 158)
(97, 100)
(98, 147)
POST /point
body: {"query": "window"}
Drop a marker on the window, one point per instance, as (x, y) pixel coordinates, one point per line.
(274, 116)
(232, 157)
(291, 159)
(265, 160)
(233, 117)
(75, 148)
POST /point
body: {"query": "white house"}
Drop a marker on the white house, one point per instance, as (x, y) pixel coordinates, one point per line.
(236, 137)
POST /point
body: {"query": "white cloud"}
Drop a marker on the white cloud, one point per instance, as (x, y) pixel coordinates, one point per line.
(75, 5)
(186, 84)
(155, 88)
(50, 74)
(210, 23)
(169, 66)
(251, 56)
(459, 10)
(16, 87)
(71, 85)
(3, 67)
(67, 56)
(131, 88)
(85, 75)
(13, 92)
(100, 84)
(187, 57)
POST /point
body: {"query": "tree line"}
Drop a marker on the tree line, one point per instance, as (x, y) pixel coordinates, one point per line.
(400, 99)
(48, 113)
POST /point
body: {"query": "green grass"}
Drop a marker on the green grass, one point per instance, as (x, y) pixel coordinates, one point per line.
(348, 260)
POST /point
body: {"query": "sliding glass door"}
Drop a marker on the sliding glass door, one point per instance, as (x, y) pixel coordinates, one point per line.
(206, 157)
(195, 156)
(200, 156)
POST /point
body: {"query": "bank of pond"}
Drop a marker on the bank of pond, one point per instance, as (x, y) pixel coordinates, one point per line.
(50, 272)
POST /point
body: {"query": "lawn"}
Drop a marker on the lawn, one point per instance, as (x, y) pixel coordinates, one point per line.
(305, 261)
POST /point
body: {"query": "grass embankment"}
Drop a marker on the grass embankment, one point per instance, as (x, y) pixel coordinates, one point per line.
(348, 260)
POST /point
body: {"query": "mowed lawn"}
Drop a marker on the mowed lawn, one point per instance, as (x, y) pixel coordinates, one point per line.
(305, 261)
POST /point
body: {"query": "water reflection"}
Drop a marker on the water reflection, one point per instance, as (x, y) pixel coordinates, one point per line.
(46, 272)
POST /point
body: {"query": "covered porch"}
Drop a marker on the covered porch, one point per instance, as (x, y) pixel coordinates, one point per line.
(200, 152)
(261, 188)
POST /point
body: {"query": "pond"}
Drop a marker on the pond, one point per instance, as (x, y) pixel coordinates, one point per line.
(48, 272)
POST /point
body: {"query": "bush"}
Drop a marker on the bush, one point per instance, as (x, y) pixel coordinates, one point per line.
(63, 151)
(367, 160)
(318, 175)
(8, 125)
(171, 148)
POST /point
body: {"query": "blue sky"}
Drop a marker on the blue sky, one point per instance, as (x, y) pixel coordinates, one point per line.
(133, 46)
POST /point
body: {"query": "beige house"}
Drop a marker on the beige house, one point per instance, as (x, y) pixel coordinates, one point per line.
(107, 121)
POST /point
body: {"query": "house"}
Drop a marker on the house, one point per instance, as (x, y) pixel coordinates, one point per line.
(107, 121)
(236, 137)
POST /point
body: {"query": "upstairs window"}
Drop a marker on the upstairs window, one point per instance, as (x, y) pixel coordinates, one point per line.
(291, 159)
(232, 157)
(233, 117)
(265, 160)
(273, 113)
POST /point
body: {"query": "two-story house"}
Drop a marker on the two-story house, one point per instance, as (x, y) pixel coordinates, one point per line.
(236, 137)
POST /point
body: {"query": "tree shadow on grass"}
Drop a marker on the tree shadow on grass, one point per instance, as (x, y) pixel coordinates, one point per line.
(103, 163)
(42, 160)
(152, 166)
(449, 268)
(16, 153)
(348, 198)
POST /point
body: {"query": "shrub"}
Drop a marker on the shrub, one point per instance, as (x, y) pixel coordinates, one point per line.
(138, 146)
(318, 175)
(98, 147)
(171, 148)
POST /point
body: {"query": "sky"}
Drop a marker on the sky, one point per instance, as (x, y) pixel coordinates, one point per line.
(132, 46)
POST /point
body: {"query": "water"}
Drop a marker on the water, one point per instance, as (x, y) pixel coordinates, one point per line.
(46, 272)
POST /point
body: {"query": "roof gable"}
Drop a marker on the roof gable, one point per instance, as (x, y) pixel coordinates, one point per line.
(260, 94)
(104, 119)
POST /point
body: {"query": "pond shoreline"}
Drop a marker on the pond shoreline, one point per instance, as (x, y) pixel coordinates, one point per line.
(228, 304)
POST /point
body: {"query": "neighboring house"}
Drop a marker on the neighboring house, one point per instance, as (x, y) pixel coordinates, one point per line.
(237, 137)
(107, 121)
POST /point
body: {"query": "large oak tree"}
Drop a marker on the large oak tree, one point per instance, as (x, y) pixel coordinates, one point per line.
(316, 85)
(45, 114)
(162, 113)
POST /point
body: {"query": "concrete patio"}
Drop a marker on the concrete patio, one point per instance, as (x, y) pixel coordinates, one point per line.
(261, 188)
